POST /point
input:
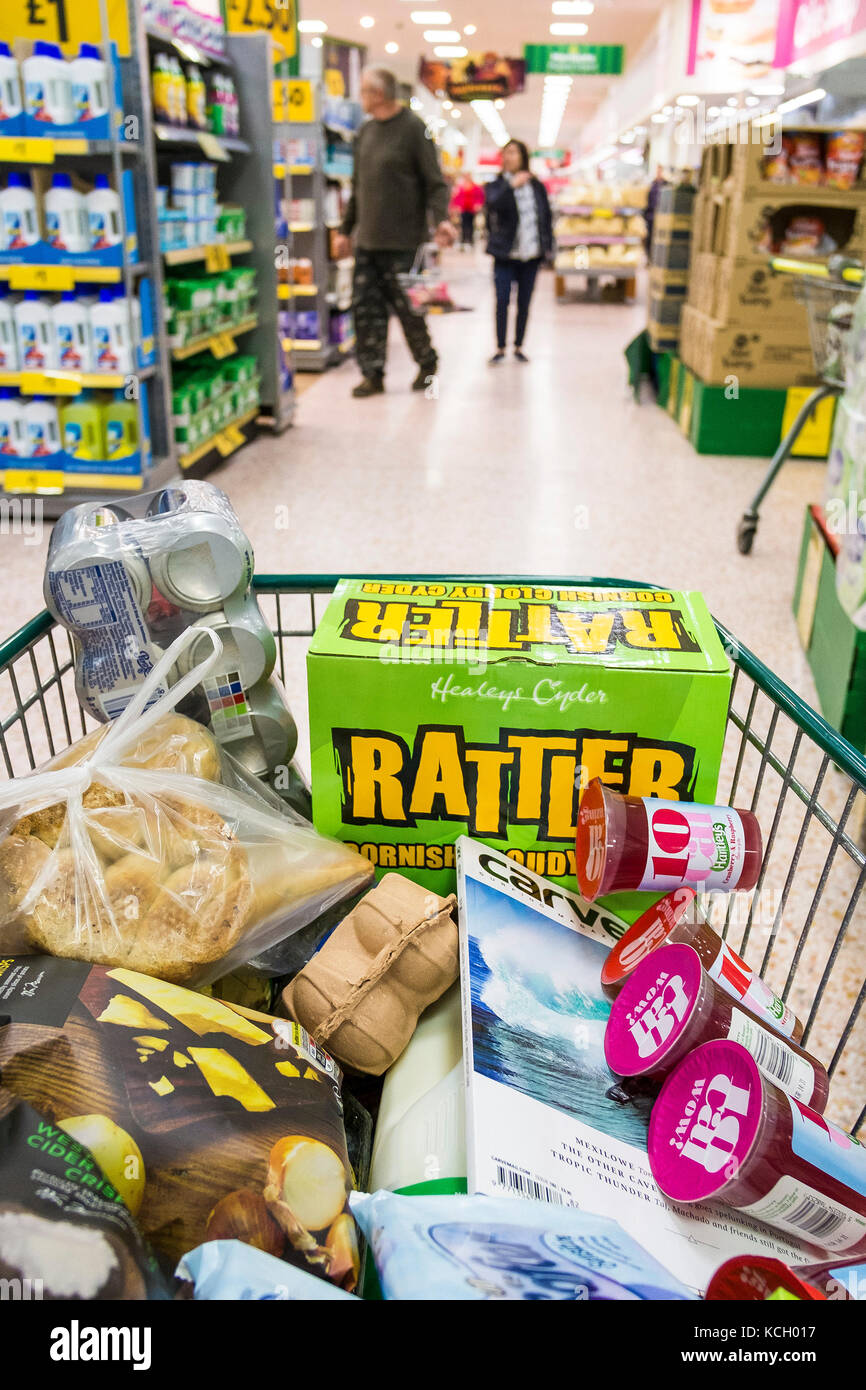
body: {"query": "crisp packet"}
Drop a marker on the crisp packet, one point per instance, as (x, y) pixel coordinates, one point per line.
(230, 1269)
(485, 1248)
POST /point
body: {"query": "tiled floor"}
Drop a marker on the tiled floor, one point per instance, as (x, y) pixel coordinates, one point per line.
(547, 469)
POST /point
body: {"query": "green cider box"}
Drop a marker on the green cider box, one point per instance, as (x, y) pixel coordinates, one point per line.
(440, 709)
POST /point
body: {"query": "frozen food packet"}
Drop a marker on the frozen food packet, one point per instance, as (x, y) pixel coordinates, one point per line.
(65, 1232)
(228, 1269)
(485, 1248)
(212, 1121)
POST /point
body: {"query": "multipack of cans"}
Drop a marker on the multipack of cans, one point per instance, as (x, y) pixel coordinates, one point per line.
(126, 579)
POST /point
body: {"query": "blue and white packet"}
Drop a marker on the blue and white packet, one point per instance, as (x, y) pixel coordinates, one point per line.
(230, 1269)
(487, 1248)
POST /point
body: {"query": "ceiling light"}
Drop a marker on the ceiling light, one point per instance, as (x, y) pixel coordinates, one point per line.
(768, 89)
(659, 118)
(713, 111)
(441, 36)
(446, 105)
(808, 99)
(574, 30)
(667, 111)
(627, 138)
(470, 29)
(732, 101)
(392, 48)
(367, 22)
(688, 100)
(499, 104)
(430, 17)
(455, 114)
(317, 43)
(753, 101)
(572, 7)
(312, 26)
(447, 51)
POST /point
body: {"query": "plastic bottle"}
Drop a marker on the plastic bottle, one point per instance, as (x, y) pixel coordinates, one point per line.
(217, 111)
(120, 427)
(12, 429)
(674, 919)
(161, 86)
(72, 334)
(81, 429)
(196, 98)
(420, 1139)
(178, 92)
(103, 215)
(109, 322)
(41, 427)
(19, 220)
(753, 1278)
(634, 843)
(11, 103)
(670, 1006)
(719, 1131)
(65, 216)
(90, 79)
(48, 85)
(8, 334)
(34, 324)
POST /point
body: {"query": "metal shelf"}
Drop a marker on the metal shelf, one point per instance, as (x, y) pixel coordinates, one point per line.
(208, 446)
(97, 487)
(296, 227)
(185, 255)
(287, 291)
(59, 383)
(587, 239)
(43, 149)
(52, 282)
(212, 146)
(210, 340)
(302, 344)
(189, 51)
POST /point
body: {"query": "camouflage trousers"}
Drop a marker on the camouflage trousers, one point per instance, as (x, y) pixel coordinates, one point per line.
(376, 293)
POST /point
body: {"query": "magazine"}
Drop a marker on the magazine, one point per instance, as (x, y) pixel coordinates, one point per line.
(545, 1117)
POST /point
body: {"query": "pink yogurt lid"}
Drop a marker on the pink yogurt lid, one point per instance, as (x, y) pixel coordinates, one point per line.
(705, 1121)
(652, 1010)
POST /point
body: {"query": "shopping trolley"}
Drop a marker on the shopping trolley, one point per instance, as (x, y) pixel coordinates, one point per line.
(828, 293)
(423, 284)
(804, 927)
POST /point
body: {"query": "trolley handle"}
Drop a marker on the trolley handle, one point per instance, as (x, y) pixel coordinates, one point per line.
(850, 271)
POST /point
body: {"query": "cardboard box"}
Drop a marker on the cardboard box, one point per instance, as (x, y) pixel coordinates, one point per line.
(665, 310)
(443, 709)
(703, 220)
(758, 356)
(745, 290)
(756, 227)
(673, 283)
(702, 282)
(672, 226)
(675, 386)
(677, 198)
(670, 255)
(740, 166)
(663, 337)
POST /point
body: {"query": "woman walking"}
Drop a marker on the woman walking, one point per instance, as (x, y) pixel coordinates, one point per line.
(520, 236)
(468, 201)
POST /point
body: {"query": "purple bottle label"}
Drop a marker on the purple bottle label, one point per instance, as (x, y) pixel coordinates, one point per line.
(653, 1009)
(705, 1121)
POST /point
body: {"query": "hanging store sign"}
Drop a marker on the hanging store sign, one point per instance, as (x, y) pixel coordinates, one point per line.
(807, 27)
(575, 59)
(67, 22)
(732, 46)
(477, 77)
(279, 18)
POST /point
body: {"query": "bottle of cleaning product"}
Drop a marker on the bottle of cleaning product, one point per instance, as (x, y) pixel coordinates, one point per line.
(103, 212)
(13, 442)
(89, 74)
(35, 331)
(109, 321)
(72, 334)
(8, 334)
(120, 426)
(81, 428)
(48, 85)
(19, 220)
(11, 104)
(41, 427)
(161, 88)
(178, 91)
(196, 98)
(65, 212)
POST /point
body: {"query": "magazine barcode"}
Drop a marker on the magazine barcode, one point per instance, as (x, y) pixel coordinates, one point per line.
(116, 704)
(774, 1057)
(521, 1183)
(814, 1218)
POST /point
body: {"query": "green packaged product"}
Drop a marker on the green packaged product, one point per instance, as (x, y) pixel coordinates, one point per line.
(445, 708)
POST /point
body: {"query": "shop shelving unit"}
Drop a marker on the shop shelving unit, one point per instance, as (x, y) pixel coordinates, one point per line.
(591, 274)
(58, 491)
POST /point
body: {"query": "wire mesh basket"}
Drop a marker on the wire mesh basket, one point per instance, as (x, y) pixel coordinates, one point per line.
(830, 308)
(423, 284)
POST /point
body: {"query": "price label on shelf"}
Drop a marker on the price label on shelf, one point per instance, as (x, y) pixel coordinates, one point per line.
(228, 440)
(67, 22)
(216, 258)
(32, 480)
(210, 145)
(223, 345)
(300, 101)
(47, 384)
(26, 150)
(279, 18)
(53, 278)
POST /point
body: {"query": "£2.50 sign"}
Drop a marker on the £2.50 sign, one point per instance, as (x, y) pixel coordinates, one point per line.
(279, 18)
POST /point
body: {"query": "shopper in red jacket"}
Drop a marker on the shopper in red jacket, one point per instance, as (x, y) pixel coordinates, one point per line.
(468, 200)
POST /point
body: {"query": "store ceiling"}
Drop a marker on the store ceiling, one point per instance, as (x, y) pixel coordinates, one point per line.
(503, 26)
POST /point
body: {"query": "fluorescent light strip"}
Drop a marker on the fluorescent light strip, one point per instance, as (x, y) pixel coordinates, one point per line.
(430, 17)
(312, 26)
(576, 31)
(441, 36)
(450, 51)
(491, 120)
(808, 99)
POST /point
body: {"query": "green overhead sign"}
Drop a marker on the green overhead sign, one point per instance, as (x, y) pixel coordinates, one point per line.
(577, 59)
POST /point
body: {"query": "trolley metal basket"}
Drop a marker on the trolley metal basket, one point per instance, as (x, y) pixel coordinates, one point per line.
(829, 293)
(803, 928)
(423, 282)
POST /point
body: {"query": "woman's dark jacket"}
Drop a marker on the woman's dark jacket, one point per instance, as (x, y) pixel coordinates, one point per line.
(503, 218)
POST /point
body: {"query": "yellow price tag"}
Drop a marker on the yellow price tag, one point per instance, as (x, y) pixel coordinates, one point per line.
(216, 258)
(67, 22)
(33, 480)
(54, 278)
(223, 345)
(300, 101)
(279, 100)
(27, 150)
(235, 434)
(228, 440)
(279, 18)
(335, 84)
(210, 145)
(46, 384)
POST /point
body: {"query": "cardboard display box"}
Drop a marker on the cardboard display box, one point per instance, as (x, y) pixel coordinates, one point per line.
(670, 255)
(702, 282)
(665, 310)
(748, 425)
(674, 283)
(663, 337)
(678, 199)
(442, 709)
(755, 356)
(740, 167)
(835, 648)
(756, 227)
(743, 291)
(672, 226)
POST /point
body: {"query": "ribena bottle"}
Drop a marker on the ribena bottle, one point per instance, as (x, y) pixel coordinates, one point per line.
(669, 1006)
(633, 843)
(719, 1131)
(755, 1278)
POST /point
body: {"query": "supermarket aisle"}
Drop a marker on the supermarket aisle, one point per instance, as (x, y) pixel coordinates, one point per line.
(548, 468)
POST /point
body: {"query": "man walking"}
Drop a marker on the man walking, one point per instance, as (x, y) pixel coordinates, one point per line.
(397, 186)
